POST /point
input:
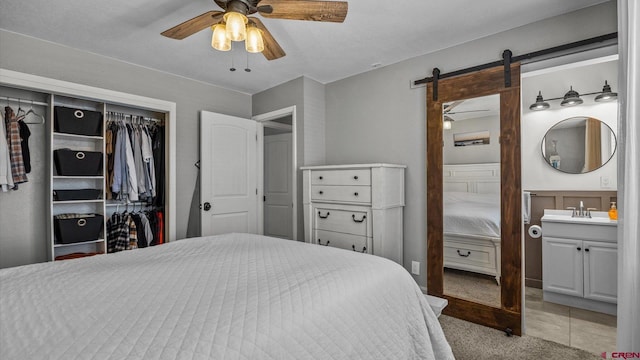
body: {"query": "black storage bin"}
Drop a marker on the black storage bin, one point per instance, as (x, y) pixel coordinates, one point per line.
(78, 163)
(78, 229)
(80, 194)
(77, 121)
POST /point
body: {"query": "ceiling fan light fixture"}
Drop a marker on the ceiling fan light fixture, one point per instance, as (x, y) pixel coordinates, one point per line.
(540, 104)
(219, 40)
(254, 42)
(236, 25)
(607, 94)
(571, 98)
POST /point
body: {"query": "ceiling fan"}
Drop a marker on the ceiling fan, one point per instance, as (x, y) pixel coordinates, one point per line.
(255, 34)
(448, 120)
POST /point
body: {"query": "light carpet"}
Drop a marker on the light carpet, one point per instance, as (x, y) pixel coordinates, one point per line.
(470, 341)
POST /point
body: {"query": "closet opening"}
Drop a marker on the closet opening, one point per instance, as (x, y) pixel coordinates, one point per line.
(277, 207)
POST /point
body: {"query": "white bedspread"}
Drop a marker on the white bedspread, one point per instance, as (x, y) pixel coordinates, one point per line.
(471, 214)
(233, 296)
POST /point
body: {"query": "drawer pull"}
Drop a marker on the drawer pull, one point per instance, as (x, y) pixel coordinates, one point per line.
(353, 216)
(586, 249)
(355, 194)
(468, 253)
(320, 177)
(364, 248)
(579, 248)
(320, 192)
(355, 177)
(323, 217)
(320, 243)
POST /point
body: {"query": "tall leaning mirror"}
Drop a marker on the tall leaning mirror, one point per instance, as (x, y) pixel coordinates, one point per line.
(471, 199)
(474, 197)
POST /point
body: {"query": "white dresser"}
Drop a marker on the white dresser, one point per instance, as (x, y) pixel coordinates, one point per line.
(355, 207)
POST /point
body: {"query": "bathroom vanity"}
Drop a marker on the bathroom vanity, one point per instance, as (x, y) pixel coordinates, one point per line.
(580, 260)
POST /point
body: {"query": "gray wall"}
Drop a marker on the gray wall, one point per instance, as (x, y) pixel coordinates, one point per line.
(34, 56)
(308, 97)
(376, 117)
(477, 154)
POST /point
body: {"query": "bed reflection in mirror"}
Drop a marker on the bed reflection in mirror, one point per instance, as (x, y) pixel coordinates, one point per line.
(578, 145)
(471, 199)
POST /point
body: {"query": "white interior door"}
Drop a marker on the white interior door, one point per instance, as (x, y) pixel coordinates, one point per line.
(278, 192)
(228, 183)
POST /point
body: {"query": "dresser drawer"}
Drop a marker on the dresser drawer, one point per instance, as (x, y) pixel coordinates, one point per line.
(480, 256)
(350, 222)
(341, 177)
(342, 241)
(357, 194)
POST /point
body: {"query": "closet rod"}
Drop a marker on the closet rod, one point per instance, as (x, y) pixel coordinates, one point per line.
(25, 101)
(129, 116)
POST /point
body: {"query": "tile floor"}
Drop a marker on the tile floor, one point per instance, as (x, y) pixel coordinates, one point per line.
(587, 330)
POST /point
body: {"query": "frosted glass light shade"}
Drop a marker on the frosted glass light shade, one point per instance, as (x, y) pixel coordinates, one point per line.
(447, 123)
(236, 26)
(254, 42)
(219, 40)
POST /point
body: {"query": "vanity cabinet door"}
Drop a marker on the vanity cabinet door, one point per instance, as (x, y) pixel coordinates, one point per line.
(562, 266)
(600, 271)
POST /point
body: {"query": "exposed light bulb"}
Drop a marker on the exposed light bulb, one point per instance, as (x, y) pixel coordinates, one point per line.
(236, 25)
(219, 40)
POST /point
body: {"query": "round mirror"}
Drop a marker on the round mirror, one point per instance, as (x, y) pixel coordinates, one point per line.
(578, 145)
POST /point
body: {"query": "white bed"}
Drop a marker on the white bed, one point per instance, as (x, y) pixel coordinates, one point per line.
(235, 296)
(472, 218)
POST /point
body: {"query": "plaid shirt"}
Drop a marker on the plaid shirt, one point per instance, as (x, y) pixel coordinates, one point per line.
(15, 147)
(121, 233)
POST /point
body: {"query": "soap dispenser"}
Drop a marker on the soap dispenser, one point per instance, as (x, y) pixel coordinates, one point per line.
(613, 211)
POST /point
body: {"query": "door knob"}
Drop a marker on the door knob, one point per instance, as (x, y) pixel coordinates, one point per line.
(207, 206)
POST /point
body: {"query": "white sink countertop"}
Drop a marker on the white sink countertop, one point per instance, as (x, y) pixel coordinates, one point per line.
(564, 216)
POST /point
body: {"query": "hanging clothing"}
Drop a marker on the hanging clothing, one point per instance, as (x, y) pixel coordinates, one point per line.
(132, 184)
(158, 155)
(121, 233)
(147, 156)
(6, 178)
(24, 144)
(139, 163)
(15, 147)
(109, 142)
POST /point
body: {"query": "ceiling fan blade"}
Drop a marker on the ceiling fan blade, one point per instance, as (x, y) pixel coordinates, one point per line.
(450, 107)
(272, 49)
(194, 25)
(312, 10)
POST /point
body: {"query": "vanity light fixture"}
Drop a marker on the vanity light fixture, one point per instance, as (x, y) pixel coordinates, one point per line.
(447, 122)
(572, 98)
(540, 104)
(607, 94)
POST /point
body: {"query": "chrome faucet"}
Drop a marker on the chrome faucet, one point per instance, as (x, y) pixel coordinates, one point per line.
(581, 211)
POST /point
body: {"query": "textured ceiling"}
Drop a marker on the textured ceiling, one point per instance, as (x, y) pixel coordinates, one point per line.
(374, 32)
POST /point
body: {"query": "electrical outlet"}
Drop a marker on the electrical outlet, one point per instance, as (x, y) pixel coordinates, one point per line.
(415, 267)
(605, 182)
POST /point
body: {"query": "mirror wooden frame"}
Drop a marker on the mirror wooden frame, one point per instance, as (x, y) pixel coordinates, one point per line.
(480, 83)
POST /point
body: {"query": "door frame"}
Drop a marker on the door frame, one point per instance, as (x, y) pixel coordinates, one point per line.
(261, 119)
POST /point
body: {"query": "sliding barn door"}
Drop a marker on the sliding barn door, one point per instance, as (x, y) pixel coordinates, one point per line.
(228, 168)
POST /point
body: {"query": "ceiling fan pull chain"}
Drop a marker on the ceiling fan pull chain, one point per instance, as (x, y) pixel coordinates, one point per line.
(233, 68)
(247, 69)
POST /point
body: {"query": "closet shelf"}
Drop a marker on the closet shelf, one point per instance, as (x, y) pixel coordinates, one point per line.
(74, 136)
(79, 243)
(78, 201)
(76, 177)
